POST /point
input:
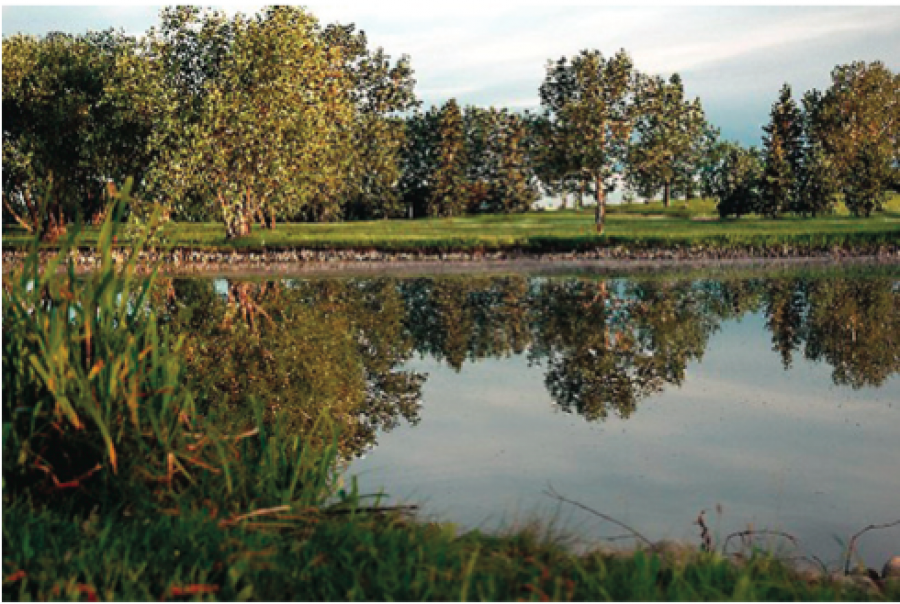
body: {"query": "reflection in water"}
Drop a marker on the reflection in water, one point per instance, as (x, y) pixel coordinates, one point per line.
(605, 344)
(791, 420)
(298, 348)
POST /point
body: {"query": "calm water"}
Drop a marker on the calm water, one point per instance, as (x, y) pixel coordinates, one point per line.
(771, 401)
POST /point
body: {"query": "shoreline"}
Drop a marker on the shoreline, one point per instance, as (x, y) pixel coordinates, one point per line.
(305, 261)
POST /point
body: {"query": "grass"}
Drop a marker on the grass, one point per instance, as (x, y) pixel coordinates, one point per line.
(52, 555)
(637, 225)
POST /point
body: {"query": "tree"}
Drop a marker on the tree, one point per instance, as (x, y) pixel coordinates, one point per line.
(381, 89)
(819, 183)
(448, 195)
(865, 187)
(709, 163)
(782, 153)
(670, 137)
(418, 160)
(255, 113)
(64, 129)
(857, 121)
(514, 187)
(736, 184)
(588, 102)
(498, 163)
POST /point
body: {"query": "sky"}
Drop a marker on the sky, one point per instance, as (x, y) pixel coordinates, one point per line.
(734, 58)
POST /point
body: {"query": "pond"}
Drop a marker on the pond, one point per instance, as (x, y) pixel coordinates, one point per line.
(769, 400)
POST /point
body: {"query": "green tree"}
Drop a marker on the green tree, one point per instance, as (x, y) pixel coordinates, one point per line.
(381, 90)
(255, 113)
(515, 182)
(588, 102)
(670, 137)
(498, 161)
(865, 187)
(448, 194)
(419, 160)
(64, 128)
(737, 180)
(782, 154)
(857, 121)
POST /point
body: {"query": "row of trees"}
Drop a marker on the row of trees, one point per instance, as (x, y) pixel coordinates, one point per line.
(235, 118)
(840, 144)
(276, 117)
(254, 119)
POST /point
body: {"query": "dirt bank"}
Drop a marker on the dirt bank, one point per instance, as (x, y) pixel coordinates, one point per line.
(307, 261)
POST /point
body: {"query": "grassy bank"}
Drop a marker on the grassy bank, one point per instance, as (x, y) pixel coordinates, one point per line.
(361, 557)
(640, 226)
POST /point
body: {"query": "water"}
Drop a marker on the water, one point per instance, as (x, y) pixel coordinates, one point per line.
(771, 401)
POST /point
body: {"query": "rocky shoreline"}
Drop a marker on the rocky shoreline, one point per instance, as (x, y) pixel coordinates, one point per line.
(189, 261)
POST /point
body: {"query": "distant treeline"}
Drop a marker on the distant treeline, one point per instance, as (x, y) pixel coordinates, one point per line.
(274, 117)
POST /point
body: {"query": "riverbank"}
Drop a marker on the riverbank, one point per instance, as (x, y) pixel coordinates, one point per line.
(316, 261)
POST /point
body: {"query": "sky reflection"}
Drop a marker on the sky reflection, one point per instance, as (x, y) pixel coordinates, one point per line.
(775, 448)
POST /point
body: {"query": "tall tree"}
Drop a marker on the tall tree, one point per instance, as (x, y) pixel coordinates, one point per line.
(782, 154)
(711, 155)
(670, 137)
(419, 160)
(515, 181)
(381, 90)
(858, 123)
(588, 101)
(255, 112)
(498, 161)
(448, 196)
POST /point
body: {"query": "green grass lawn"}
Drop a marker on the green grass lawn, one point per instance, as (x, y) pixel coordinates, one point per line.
(650, 224)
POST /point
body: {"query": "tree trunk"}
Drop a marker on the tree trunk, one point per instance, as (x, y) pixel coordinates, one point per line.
(54, 225)
(238, 222)
(242, 225)
(272, 219)
(600, 211)
(667, 192)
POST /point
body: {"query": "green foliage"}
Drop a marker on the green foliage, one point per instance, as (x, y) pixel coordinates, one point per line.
(857, 122)
(588, 102)
(448, 192)
(379, 91)
(737, 184)
(500, 170)
(66, 128)
(865, 187)
(254, 114)
(419, 160)
(819, 187)
(671, 133)
(782, 153)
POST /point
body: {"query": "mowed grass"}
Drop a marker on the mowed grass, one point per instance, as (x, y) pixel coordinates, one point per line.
(639, 225)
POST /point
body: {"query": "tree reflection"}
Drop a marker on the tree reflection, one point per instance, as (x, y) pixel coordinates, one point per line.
(300, 348)
(854, 326)
(605, 344)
